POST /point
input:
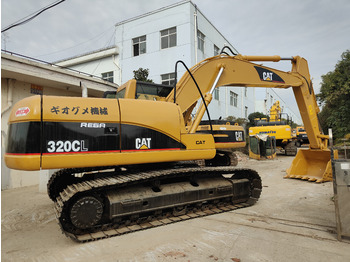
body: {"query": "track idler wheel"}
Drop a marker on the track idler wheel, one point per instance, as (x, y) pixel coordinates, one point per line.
(86, 212)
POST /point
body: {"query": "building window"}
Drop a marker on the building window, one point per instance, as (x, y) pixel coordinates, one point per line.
(108, 76)
(216, 94)
(246, 112)
(168, 38)
(168, 79)
(139, 45)
(216, 50)
(200, 37)
(233, 99)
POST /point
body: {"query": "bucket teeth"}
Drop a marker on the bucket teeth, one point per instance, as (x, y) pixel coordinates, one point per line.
(313, 165)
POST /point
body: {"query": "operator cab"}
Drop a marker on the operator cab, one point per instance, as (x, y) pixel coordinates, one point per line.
(140, 90)
(262, 146)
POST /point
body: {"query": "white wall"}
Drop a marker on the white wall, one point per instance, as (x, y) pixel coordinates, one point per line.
(158, 61)
(99, 66)
(162, 61)
(212, 36)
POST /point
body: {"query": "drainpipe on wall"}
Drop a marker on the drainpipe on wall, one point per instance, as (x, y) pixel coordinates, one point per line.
(119, 68)
(84, 90)
(243, 107)
(195, 35)
(10, 86)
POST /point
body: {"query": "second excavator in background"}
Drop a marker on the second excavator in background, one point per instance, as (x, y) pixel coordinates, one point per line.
(301, 136)
(279, 128)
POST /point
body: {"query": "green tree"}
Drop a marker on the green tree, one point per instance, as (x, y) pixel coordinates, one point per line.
(335, 98)
(141, 74)
(254, 115)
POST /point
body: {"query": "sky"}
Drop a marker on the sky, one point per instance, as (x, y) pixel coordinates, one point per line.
(318, 30)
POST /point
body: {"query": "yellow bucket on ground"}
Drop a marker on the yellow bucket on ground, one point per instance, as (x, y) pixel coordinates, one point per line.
(313, 165)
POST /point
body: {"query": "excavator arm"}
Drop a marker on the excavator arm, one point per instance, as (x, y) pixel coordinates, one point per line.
(312, 164)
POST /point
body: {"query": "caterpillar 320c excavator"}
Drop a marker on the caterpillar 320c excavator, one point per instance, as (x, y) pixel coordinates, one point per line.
(106, 149)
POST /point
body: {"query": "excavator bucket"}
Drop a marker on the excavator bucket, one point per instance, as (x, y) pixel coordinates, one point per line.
(313, 165)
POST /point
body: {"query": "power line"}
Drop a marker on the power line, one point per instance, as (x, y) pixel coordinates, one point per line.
(79, 44)
(32, 16)
(108, 44)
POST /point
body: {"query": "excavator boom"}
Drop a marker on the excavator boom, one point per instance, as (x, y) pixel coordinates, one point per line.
(312, 164)
(224, 70)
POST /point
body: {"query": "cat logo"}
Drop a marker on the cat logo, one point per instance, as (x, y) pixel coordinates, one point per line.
(267, 75)
(239, 136)
(143, 143)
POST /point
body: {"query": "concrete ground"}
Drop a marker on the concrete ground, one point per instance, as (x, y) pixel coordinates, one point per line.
(293, 221)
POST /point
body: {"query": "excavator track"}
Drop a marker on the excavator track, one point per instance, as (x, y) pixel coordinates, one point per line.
(89, 197)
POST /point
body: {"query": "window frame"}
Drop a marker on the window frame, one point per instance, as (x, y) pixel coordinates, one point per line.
(170, 80)
(233, 99)
(168, 35)
(216, 50)
(216, 94)
(138, 42)
(108, 76)
(200, 40)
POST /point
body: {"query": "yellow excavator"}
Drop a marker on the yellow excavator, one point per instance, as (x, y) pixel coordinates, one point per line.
(126, 164)
(278, 128)
(301, 136)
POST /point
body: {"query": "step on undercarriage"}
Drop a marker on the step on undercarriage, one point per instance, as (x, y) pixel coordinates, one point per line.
(107, 202)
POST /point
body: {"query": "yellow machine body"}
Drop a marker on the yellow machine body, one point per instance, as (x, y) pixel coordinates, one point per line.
(34, 120)
(226, 134)
(88, 132)
(281, 132)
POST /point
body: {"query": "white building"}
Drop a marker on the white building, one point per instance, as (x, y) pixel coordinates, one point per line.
(156, 41)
